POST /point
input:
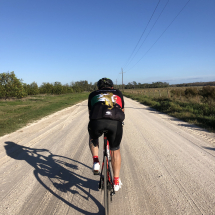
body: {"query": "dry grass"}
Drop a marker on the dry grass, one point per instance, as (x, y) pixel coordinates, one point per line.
(187, 108)
(164, 93)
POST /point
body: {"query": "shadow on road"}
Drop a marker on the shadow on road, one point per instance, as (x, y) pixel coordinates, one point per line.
(209, 148)
(59, 175)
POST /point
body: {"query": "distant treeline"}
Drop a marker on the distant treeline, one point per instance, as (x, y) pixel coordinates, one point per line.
(11, 86)
(135, 85)
(195, 84)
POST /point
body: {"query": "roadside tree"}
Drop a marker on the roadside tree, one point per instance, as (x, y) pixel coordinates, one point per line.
(11, 86)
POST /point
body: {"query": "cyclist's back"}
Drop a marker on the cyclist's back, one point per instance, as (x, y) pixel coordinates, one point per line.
(106, 103)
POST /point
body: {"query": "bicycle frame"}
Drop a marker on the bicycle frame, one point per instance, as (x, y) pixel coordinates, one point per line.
(106, 156)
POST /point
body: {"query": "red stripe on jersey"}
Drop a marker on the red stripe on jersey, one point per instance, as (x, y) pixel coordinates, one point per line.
(118, 100)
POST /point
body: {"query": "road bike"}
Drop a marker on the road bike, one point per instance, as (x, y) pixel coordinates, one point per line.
(106, 176)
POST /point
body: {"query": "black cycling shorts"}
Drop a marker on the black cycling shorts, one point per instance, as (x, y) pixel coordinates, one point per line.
(97, 127)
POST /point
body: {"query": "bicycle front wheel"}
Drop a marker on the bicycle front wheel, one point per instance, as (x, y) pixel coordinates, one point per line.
(106, 190)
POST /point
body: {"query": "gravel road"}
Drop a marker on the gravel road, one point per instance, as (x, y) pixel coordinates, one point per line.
(168, 166)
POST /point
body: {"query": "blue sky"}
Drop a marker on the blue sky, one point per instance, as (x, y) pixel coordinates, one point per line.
(73, 40)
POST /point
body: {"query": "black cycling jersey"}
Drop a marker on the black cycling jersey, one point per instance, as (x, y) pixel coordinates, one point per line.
(106, 103)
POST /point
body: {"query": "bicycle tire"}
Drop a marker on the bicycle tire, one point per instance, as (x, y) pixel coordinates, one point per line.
(106, 190)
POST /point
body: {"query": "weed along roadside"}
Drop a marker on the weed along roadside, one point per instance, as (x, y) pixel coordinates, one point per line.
(17, 113)
(195, 106)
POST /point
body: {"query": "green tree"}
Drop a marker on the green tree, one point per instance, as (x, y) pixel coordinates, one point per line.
(46, 88)
(57, 88)
(11, 86)
(134, 84)
(31, 89)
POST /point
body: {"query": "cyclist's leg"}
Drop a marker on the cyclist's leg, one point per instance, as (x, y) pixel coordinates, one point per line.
(115, 154)
(95, 133)
(94, 146)
(116, 162)
(114, 137)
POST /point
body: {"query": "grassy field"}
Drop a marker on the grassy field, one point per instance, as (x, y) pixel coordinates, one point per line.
(188, 108)
(164, 93)
(17, 113)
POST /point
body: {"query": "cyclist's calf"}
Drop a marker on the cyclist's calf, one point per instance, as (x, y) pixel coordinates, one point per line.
(116, 162)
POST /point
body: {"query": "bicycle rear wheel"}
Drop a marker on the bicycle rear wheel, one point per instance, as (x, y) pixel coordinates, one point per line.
(106, 190)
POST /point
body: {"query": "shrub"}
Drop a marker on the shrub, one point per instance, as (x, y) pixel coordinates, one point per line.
(174, 107)
(190, 92)
(177, 92)
(208, 94)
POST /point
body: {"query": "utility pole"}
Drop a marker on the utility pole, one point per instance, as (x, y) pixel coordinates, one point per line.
(122, 78)
(116, 83)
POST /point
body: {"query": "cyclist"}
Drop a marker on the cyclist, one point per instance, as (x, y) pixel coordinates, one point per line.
(106, 112)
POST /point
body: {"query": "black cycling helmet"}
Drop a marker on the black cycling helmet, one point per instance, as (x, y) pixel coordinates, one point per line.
(104, 82)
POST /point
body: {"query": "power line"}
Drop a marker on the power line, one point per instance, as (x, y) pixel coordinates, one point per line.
(160, 35)
(143, 32)
(150, 31)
